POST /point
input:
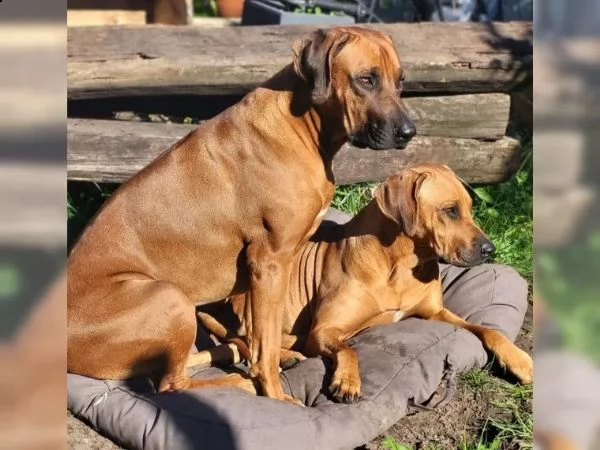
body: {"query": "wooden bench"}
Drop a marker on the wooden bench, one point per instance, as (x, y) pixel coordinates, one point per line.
(460, 79)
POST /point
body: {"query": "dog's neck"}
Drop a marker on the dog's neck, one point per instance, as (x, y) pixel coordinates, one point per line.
(371, 223)
(292, 95)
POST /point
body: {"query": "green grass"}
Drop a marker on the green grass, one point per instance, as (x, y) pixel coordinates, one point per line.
(516, 432)
(505, 212)
(478, 380)
(389, 443)
(568, 282)
(83, 201)
(353, 197)
(205, 8)
(514, 405)
(481, 444)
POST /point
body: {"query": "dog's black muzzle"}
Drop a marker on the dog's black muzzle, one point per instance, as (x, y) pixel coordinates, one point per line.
(385, 135)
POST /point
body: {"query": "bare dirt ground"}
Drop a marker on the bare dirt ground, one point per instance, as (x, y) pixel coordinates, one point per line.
(82, 437)
(479, 398)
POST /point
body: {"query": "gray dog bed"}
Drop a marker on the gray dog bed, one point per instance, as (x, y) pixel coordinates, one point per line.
(410, 364)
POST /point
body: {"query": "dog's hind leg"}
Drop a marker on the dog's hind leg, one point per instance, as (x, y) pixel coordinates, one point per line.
(152, 329)
(180, 332)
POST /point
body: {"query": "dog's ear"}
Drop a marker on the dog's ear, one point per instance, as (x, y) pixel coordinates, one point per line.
(397, 198)
(313, 59)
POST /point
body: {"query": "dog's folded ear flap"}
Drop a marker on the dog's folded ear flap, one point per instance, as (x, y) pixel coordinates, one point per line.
(313, 59)
(397, 199)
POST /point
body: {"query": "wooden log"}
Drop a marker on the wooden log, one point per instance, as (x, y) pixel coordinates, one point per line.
(102, 17)
(30, 103)
(140, 61)
(216, 22)
(30, 192)
(106, 4)
(171, 12)
(113, 151)
(563, 79)
(478, 116)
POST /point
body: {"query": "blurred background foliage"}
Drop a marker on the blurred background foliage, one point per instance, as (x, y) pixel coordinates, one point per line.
(567, 279)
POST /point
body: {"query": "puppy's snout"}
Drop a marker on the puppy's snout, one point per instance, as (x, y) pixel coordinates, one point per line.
(406, 130)
(487, 249)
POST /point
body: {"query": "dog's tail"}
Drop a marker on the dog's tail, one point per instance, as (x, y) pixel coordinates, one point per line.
(223, 334)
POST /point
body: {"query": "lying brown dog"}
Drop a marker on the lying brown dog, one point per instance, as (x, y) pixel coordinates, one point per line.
(382, 267)
(225, 210)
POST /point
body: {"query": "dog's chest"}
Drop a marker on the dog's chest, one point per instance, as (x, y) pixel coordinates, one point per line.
(403, 293)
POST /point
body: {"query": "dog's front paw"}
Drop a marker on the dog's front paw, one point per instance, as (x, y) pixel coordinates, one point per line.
(345, 387)
(520, 364)
(510, 357)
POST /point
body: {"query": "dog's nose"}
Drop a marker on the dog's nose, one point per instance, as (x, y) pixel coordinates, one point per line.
(407, 130)
(487, 249)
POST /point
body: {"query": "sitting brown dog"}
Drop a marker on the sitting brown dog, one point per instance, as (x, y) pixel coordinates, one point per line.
(224, 211)
(379, 268)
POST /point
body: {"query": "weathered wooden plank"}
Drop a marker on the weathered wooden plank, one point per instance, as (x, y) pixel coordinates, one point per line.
(476, 162)
(138, 61)
(562, 82)
(30, 217)
(479, 116)
(172, 12)
(102, 17)
(107, 4)
(216, 22)
(29, 101)
(112, 151)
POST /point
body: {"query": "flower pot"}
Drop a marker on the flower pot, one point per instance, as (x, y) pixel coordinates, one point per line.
(230, 8)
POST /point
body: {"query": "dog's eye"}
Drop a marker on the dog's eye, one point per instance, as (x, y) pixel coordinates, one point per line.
(367, 81)
(452, 212)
